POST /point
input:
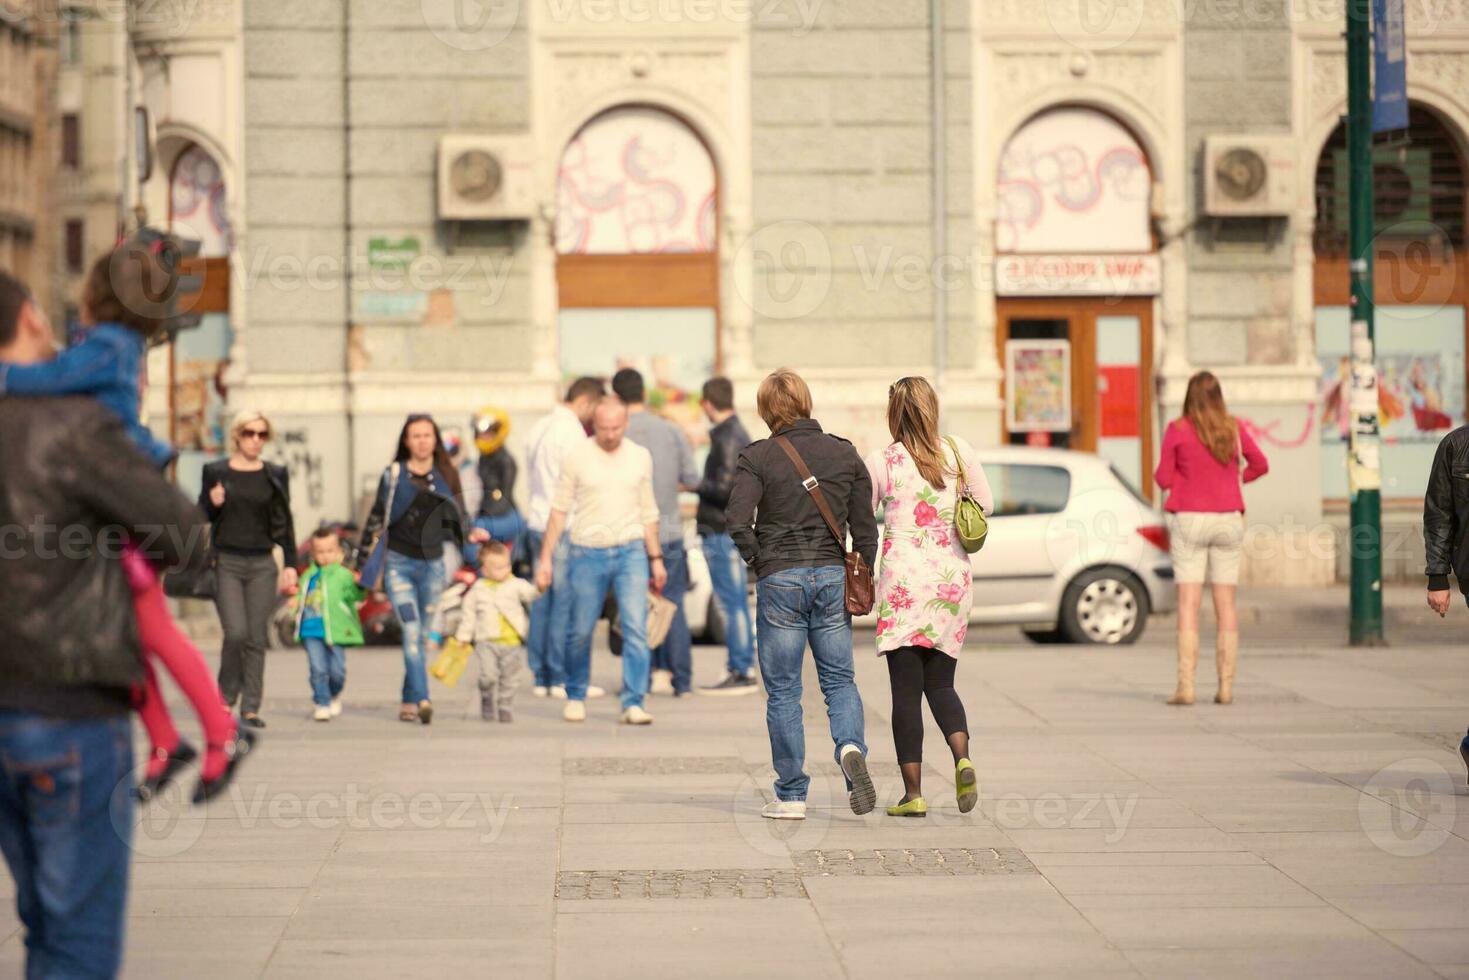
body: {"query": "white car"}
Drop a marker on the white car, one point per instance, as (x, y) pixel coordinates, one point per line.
(1074, 554)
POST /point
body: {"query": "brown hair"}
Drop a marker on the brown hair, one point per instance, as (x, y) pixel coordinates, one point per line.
(131, 286)
(913, 420)
(13, 298)
(719, 392)
(783, 399)
(585, 387)
(492, 548)
(1204, 407)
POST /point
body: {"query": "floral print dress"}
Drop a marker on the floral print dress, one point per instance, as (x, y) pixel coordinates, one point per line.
(924, 577)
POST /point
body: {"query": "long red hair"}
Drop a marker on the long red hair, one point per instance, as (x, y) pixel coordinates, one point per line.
(1204, 407)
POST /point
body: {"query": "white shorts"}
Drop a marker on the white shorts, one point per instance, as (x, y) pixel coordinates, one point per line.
(1206, 546)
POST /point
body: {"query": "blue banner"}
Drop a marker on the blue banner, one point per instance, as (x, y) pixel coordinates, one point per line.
(1389, 67)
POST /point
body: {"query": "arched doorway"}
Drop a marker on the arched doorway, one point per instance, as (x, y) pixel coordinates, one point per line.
(1076, 276)
(1421, 294)
(637, 266)
(199, 356)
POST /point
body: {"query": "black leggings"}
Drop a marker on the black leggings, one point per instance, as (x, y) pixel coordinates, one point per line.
(915, 672)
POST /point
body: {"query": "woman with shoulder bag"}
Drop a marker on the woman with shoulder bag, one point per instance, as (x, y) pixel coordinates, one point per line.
(925, 483)
(415, 513)
(1200, 468)
(248, 503)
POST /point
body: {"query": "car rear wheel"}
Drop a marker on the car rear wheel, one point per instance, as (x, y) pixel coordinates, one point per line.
(1104, 606)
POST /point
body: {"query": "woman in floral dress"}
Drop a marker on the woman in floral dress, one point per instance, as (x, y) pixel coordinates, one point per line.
(923, 583)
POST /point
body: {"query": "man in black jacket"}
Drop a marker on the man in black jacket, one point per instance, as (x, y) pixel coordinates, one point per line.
(774, 519)
(1446, 528)
(727, 438)
(72, 489)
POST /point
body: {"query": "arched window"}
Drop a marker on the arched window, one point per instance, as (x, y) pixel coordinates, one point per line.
(1420, 295)
(637, 265)
(197, 202)
(1073, 180)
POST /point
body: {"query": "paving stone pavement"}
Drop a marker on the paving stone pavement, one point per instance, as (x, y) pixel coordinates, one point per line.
(1317, 827)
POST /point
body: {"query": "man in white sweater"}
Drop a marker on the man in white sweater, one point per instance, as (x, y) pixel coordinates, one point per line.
(606, 484)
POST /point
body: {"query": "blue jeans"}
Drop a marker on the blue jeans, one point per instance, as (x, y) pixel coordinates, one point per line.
(550, 616)
(727, 574)
(506, 528)
(624, 569)
(328, 669)
(414, 585)
(675, 653)
(797, 606)
(66, 821)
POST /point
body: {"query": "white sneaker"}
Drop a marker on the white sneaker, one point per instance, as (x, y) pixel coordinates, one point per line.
(784, 810)
(575, 711)
(593, 691)
(322, 713)
(558, 692)
(662, 682)
(541, 692)
(336, 708)
(636, 716)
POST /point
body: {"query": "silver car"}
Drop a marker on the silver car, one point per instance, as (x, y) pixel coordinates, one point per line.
(1074, 553)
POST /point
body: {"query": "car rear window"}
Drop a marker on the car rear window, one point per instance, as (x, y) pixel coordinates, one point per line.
(1023, 488)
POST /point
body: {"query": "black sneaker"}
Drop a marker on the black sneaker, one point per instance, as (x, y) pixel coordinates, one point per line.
(732, 683)
(863, 795)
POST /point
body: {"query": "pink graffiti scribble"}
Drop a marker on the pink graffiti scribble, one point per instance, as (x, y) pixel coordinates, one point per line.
(1267, 433)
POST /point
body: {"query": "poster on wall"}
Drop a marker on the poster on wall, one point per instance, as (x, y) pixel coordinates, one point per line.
(672, 348)
(1420, 396)
(1038, 385)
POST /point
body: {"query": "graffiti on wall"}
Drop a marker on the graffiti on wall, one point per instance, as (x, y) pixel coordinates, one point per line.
(292, 449)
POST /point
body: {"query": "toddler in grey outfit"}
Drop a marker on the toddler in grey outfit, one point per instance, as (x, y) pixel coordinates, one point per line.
(494, 618)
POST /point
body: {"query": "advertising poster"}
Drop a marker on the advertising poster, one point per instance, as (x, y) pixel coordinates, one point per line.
(1038, 385)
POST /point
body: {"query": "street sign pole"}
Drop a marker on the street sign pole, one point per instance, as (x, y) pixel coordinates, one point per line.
(1364, 463)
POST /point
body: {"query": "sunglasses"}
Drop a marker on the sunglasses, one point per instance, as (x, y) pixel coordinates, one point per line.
(254, 434)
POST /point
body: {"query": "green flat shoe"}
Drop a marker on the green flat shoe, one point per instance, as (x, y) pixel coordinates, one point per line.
(916, 807)
(966, 785)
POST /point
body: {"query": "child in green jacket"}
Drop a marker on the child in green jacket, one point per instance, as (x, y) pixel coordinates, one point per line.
(326, 621)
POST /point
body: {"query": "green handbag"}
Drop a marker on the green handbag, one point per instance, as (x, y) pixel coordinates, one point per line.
(969, 519)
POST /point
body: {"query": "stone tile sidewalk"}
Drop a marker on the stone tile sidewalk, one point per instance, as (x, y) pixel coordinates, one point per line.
(1318, 827)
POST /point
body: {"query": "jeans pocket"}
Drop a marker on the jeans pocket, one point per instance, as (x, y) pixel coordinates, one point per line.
(52, 788)
(783, 606)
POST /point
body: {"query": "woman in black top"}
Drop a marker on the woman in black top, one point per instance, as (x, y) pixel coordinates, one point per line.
(248, 502)
(418, 501)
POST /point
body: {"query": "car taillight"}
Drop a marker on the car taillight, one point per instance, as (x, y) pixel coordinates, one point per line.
(1157, 535)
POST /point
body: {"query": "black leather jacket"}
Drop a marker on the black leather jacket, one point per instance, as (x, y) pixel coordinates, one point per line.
(497, 475)
(72, 487)
(788, 531)
(726, 440)
(1446, 512)
(282, 527)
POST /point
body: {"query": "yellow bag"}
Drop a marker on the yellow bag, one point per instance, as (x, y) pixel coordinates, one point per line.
(450, 664)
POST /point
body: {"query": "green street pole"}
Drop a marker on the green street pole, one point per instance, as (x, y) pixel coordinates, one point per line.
(1364, 459)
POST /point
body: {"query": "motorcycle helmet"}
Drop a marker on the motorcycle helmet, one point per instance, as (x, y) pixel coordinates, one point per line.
(491, 428)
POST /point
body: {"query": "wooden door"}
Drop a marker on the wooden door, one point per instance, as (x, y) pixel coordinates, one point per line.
(1111, 374)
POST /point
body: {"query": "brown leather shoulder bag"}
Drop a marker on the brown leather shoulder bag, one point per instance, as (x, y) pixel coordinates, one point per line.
(859, 591)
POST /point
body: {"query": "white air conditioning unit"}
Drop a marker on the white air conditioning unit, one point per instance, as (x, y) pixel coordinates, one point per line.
(485, 178)
(1248, 176)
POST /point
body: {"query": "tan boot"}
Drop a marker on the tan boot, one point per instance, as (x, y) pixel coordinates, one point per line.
(1226, 655)
(1188, 661)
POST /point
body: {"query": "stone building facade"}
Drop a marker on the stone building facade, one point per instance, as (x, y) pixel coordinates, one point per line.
(715, 185)
(27, 140)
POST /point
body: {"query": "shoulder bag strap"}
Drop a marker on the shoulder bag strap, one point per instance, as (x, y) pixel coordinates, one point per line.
(813, 487)
(959, 464)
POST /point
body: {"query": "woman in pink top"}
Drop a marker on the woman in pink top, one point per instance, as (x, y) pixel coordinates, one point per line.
(1200, 469)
